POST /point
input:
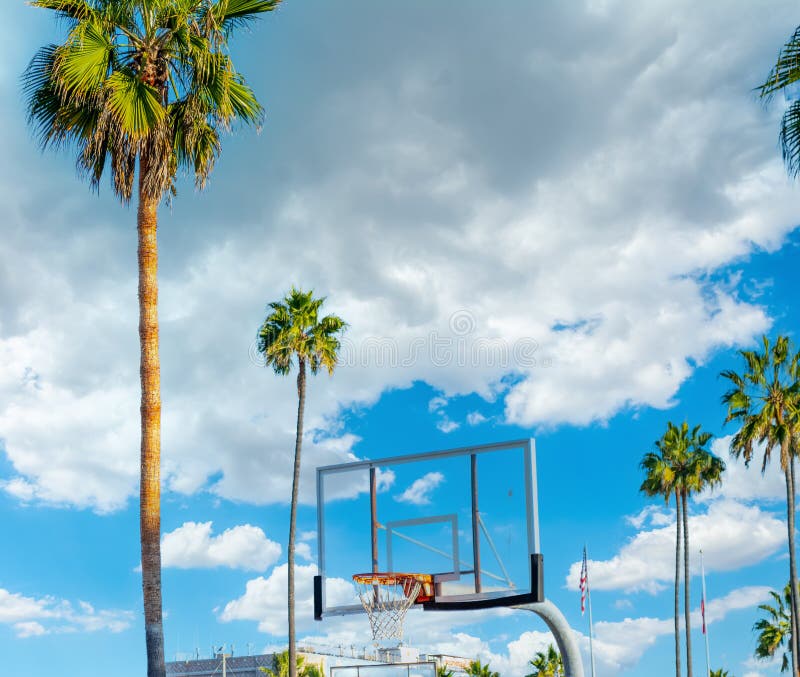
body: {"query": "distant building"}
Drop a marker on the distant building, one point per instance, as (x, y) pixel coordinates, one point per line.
(235, 666)
(457, 664)
(325, 658)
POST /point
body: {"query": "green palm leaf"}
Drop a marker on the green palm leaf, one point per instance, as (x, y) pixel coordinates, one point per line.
(135, 104)
(82, 65)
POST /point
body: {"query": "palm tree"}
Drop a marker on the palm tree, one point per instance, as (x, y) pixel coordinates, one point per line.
(784, 73)
(719, 673)
(775, 631)
(661, 480)
(444, 671)
(477, 669)
(147, 82)
(293, 331)
(547, 663)
(765, 400)
(695, 469)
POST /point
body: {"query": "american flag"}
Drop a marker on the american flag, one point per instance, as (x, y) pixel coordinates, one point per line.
(703, 611)
(584, 582)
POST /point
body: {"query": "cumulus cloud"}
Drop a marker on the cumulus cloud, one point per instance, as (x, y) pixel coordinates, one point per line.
(419, 493)
(32, 616)
(746, 483)
(619, 645)
(446, 425)
(475, 418)
(192, 546)
(647, 561)
(435, 234)
(265, 599)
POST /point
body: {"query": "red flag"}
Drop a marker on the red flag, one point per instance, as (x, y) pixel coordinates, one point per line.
(703, 612)
(584, 582)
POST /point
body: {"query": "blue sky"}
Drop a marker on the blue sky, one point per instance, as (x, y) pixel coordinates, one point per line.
(592, 190)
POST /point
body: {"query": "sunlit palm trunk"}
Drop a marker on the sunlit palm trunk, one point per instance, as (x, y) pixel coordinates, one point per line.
(150, 483)
(301, 402)
(687, 609)
(678, 526)
(792, 563)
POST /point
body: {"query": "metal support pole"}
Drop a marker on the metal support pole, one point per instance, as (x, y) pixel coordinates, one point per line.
(476, 532)
(705, 627)
(373, 508)
(563, 634)
(225, 664)
(373, 501)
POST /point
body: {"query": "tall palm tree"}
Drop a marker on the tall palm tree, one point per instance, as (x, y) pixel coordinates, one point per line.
(547, 663)
(765, 400)
(719, 673)
(696, 469)
(775, 631)
(148, 83)
(293, 331)
(662, 480)
(478, 669)
(444, 671)
(785, 73)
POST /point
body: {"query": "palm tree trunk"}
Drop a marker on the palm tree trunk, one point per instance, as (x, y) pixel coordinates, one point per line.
(150, 481)
(792, 563)
(301, 403)
(687, 609)
(677, 584)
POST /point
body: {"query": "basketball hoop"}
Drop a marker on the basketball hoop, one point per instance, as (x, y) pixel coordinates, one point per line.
(387, 597)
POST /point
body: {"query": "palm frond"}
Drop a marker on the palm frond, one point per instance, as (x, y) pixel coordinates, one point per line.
(135, 104)
(80, 10)
(786, 70)
(790, 139)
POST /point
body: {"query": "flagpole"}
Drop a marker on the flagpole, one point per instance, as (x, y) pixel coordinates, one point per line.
(589, 600)
(705, 627)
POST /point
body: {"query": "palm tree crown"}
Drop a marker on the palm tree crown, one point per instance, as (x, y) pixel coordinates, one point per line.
(294, 331)
(146, 79)
(681, 464)
(765, 400)
(774, 631)
(547, 663)
(478, 669)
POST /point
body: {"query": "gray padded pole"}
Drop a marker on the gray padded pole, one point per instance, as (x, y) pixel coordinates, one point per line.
(565, 637)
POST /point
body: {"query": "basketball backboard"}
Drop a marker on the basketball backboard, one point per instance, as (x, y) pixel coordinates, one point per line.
(466, 516)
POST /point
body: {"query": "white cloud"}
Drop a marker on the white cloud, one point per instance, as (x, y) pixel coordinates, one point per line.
(419, 493)
(192, 546)
(475, 418)
(653, 515)
(31, 616)
(742, 598)
(419, 213)
(29, 629)
(647, 561)
(437, 404)
(747, 483)
(303, 550)
(265, 599)
(446, 425)
(619, 645)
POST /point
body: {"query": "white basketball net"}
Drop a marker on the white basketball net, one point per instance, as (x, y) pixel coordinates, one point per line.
(386, 602)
